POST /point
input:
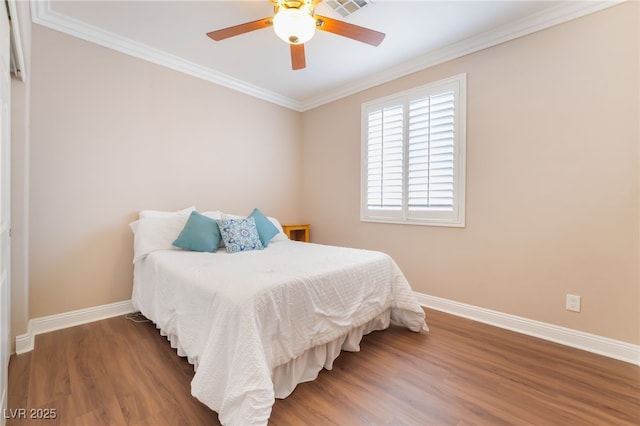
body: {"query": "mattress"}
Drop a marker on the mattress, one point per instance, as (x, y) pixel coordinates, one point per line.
(254, 324)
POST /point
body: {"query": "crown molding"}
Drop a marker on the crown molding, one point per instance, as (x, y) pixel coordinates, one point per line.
(566, 11)
(42, 14)
(562, 13)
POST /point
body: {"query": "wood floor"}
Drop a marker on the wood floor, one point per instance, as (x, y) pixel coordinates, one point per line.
(117, 372)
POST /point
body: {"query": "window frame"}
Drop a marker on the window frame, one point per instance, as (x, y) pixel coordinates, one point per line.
(453, 218)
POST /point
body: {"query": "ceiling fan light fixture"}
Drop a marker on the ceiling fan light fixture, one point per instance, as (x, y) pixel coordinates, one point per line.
(294, 25)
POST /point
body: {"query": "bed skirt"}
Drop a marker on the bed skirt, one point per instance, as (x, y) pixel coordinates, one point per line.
(306, 367)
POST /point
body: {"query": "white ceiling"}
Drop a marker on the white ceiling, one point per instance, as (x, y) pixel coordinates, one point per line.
(418, 34)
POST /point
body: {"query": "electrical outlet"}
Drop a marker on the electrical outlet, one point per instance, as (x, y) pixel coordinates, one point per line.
(573, 303)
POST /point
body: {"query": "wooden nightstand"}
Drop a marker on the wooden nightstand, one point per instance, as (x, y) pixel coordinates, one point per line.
(297, 232)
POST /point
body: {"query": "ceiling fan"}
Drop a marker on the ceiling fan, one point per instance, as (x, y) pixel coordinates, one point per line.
(295, 22)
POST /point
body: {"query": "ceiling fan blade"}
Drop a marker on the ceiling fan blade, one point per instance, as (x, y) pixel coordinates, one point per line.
(352, 31)
(240, 29)
(298, 60)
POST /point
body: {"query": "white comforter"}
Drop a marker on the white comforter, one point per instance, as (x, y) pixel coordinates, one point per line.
(238, 316)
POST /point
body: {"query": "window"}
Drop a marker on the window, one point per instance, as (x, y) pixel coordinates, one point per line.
(413, 155)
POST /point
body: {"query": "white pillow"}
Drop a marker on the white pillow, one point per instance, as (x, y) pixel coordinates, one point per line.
(215, 214)
(157, 231)
(280, 236)
(232, 216)
(160, 213)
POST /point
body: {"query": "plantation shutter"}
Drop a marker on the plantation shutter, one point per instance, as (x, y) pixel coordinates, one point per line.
(385, 158)
(431, 153)
(413, 156)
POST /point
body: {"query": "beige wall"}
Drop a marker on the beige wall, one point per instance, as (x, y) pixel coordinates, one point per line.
(111, 135)
(552, 172)
(552, 179)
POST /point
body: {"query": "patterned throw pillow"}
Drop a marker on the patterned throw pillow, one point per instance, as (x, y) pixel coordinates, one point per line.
(240, 234)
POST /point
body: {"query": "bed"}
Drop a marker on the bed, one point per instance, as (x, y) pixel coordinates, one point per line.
(255, 324)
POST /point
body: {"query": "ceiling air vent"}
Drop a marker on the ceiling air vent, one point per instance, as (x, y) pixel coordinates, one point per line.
(347, 7)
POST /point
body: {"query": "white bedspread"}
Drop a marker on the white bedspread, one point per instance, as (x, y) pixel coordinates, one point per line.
(238, 316)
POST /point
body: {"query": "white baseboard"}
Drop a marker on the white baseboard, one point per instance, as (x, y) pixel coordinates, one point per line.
(24, 342)
(577, 339)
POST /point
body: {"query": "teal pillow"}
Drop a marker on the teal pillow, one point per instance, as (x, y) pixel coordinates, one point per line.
(266, 229)
(240, 234)
(200, 233)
